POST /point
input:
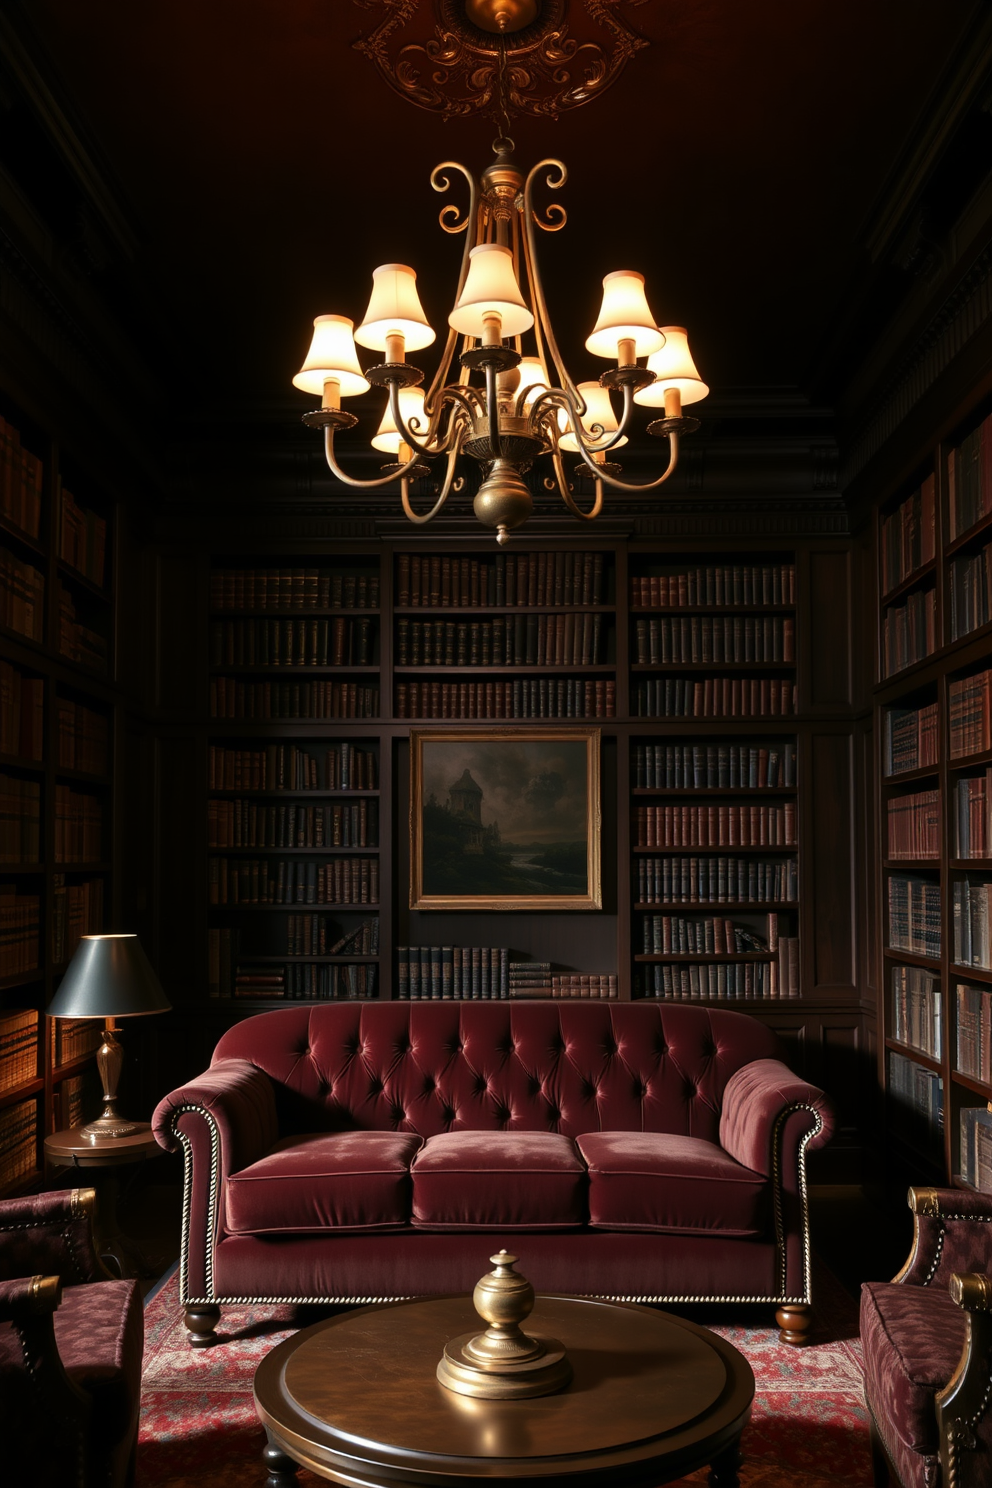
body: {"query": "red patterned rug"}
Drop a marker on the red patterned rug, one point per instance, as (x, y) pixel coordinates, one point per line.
(199, 1430)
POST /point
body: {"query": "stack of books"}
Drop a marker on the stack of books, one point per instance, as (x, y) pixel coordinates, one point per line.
(82, 539)
(664, 935)
(313, 935)
(916, 1009)
(20, 928)
(18, 1048)
(535, 979)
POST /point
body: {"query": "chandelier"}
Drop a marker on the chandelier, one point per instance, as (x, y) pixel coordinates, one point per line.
(497, 405)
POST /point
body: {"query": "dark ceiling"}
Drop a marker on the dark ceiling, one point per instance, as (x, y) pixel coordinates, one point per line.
(267, 169)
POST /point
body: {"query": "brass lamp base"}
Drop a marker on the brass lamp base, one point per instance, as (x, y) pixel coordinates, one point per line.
(111, 1126)
(504, 1363)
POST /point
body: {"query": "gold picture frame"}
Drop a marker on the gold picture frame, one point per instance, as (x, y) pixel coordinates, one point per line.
(544, 783)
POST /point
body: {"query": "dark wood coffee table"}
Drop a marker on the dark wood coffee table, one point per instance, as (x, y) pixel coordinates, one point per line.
(356, 1400)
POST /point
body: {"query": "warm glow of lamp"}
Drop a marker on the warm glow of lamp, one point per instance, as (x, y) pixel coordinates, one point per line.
(491, 289)
(332, 358)
(624, 317)
(599, 410)
(387, 437)
(394, 310)
(673, 368)
(531, 375)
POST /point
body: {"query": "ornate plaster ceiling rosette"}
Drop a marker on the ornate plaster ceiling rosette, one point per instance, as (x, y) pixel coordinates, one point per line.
(434, 54)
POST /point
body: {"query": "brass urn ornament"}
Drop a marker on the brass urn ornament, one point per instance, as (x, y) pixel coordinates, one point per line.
(504, 1363)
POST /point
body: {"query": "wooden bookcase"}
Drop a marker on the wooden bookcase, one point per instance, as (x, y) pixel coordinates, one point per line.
(931, 1035)
(60, 711)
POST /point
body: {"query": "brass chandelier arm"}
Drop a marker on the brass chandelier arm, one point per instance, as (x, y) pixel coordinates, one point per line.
(560, 398)
(543, 320)
(364, 485)
(565, 492)
(622, 485)
(450, 484)
(431, 446)
(469, 226)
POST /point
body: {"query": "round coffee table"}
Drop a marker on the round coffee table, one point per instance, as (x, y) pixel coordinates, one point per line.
(356, 1401)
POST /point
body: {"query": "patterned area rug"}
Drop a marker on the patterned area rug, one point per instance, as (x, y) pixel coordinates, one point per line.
(199, 1430)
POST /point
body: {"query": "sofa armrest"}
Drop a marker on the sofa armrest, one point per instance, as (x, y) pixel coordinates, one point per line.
(766, 1107)
(964, 1418)
(952, 1232)
(52, 1232)
(223, 1120)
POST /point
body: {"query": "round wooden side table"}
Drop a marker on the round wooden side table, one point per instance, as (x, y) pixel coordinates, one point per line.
(356, 1400)
(102, 1162)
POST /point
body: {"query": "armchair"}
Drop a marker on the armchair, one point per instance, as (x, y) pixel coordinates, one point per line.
(70, 1348)
(927, 1339)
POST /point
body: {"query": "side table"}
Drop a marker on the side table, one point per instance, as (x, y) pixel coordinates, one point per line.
(102, 1161)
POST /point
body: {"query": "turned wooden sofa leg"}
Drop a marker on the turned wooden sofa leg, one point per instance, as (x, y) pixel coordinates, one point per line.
(795, 1321)
(201, 1319)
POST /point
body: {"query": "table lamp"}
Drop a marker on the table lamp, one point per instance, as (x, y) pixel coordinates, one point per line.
(109, 977)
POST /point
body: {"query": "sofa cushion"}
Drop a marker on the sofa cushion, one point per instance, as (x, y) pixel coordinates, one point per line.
(351, 1180)
(912, 1338)
(651, 1181)
(502, 1180)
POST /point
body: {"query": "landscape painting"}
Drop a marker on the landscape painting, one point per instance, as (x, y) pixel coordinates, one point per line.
(507, 820)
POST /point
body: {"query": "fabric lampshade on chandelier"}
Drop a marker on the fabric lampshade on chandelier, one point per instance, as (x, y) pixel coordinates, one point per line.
(498, 405)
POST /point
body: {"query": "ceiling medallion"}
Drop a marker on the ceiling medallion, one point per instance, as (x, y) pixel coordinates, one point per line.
(446, 55)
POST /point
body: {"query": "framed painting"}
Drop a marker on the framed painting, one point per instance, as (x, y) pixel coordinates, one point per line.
(505, 820)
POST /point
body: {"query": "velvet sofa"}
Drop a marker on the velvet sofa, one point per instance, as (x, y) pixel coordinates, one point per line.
(359, 1152)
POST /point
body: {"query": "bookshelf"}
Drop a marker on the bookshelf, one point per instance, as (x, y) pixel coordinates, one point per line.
(58, 709)
(934, 752)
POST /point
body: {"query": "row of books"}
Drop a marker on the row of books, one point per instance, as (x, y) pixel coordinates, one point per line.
(975, 1132)
(535, 980)
(544, 697)
(910, 739)
(446, 971)
(78, 826)
(917, 1097)
(438, 581)
(693, 880)
(909, 631)
(18, 1048)
(314, 935)
(83, 738)
(518, 640)
(720, 584)
(715, 766)
(292, 589)
(716, 697)
(672, 935)
(78, 642)
(22, 713)
(21, 474)
(715, 826)
(292, 768)
(230, 698)
(917, 1012)
(247, 824)
(973, 816)
(969, 479)
(281, 881)
(20, 820)
(75, 1038)
(77, 910)
(970, 715)
(732, 979)
(82, 539)
(76, 1100)
(909, 536)
(20, 931)
(334, 642)
(307, 983)
(914, 915)
(22, 597)
(914, 825)
(18, 1143)
(706, 638)
(973, 1031)
(971, 592)
(972, 921)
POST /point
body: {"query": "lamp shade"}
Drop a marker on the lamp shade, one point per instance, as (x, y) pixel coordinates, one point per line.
(108, 977)
(332, 354)
(624, 316)
(673, 368)
(531, 375)
(491, 288)
(387, 437)
(394, 310)
(599, 410)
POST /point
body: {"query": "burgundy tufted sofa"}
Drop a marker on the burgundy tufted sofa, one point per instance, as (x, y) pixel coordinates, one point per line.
(356, 1152)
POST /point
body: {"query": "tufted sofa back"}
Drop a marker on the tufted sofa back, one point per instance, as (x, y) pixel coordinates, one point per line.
(440, 1066)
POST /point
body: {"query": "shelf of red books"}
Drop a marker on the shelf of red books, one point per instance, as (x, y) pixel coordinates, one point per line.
(21, 1126)
(916, 1011)
(300, 643)
(711, 581)
(910, 736)
(291, 586)
(908, 631)
(318, 700)
(971, 1154)
(907, 535)
(259, 824)
(548, 639)
(969, 474)
(301, 766)
(969, 714)
(517, 698)
(559, 579)
(972, 1008)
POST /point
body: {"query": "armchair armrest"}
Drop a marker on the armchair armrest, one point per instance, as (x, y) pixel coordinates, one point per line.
(51, 1231)
(952, 1232)
(963, 1417)
(766, 1106)
(29, 1303)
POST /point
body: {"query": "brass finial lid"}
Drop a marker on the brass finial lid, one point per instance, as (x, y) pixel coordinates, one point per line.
(504, 1362)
